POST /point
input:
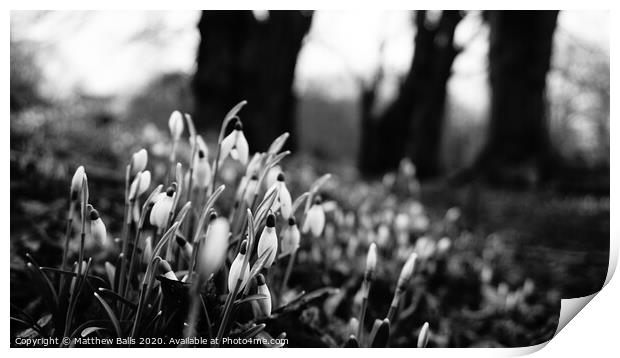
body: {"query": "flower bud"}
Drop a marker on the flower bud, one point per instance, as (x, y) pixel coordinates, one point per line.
(315, 219)
(213, 252)
(407, 271)
(140, 184)
(443, 245)
(76, 182)
(453, 215)
(139, 160)
(235, 269)
(166, 270)
(371, 258)
(264, 303)
(268, 241)
(161, 209)
(423, 336)
(176, 125)
(97, 228)
(290, 237)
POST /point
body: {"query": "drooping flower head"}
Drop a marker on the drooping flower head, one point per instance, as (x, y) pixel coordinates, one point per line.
(268, 241)
(97, 227)
(250, 190)
(166, 270)
(202, 169)
(290, 237)
(264, 304)
(213, 252)
(235, 145)
(235, 269)
(140, 184)
(161, 208)
(315, 218)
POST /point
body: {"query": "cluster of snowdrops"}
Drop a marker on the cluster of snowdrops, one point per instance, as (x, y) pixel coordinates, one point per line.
(185, 268)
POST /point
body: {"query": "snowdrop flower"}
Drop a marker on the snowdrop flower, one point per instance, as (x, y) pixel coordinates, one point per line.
(283, 197)
(278, 143)
(407, 270)
(97, 228)
(139, 160)
(213, 252)
(175, 123)
(236, 145)
(290, 237)
(202, 170)
(453, 215)
(268, 241)
(186, 248)
(235, 269)
(254, 164)
(250, 190)
(140, 184)
(161, 209)
(264, 304)
(76, 182)
(315, 219)
(272, 176)
(443, 245)
(371, 258)
(165, 268)
(423, 336)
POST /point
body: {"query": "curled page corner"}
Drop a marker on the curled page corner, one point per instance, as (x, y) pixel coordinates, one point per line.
(570, 307)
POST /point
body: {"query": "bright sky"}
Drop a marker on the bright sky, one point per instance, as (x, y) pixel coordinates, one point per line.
(107, 53)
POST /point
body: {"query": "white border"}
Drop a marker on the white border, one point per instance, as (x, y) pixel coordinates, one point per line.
(593, 330)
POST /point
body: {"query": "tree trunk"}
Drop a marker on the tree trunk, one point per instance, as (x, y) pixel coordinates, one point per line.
(518, 146)
(241, 57)
(411, 125)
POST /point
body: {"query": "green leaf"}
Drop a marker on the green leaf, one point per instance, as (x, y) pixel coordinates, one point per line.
(111, 314)
(88, 330)
(48, 291)
(252, 331)
(249, 299)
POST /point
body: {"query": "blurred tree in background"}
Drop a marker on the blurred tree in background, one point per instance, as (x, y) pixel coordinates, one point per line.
(411, 125)
(243, 55)
(518, 146)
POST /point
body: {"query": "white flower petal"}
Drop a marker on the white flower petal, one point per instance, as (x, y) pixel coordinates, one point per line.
(268, 242)
(242, 148)
(227, 145)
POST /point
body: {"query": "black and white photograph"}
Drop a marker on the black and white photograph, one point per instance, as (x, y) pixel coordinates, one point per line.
(306, 178)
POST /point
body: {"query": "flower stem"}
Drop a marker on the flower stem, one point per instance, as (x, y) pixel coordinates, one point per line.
(65, 251)
(287, 273)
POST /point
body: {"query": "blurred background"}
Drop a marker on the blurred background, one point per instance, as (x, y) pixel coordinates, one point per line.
(505, 114)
